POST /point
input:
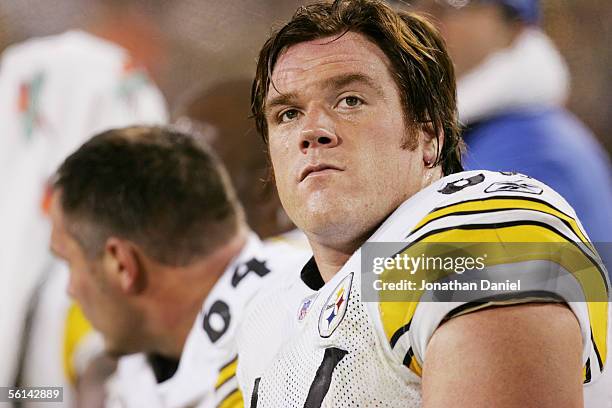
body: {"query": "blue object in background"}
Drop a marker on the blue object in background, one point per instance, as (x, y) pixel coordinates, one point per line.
(550, 145)
(527, 10)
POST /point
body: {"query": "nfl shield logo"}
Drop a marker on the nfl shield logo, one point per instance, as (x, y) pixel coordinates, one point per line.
(304, 309)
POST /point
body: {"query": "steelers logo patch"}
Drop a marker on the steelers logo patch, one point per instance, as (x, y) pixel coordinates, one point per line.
(335, 308)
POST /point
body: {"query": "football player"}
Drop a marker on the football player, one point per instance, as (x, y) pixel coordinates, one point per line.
(161, 262)
(357, 105)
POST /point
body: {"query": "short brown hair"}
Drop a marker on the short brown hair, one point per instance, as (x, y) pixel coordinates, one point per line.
(422, 68)
(160, 188)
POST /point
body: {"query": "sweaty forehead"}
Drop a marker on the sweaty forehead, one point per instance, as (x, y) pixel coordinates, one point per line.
(309, 62)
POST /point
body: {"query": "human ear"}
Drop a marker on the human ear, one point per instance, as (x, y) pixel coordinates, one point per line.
(120, 262)
(432, 144)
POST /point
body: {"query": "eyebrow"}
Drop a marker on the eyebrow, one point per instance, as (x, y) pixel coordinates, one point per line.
(340, 81)
(335, 82)
(283, 99)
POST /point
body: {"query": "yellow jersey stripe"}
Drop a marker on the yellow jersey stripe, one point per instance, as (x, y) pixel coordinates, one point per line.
(500, 204)
(227, 372)
(515, 232)
(415, 367)
(396, 316)
(233, 400)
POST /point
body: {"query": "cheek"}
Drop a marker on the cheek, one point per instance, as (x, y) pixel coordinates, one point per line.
(80, 291)
(383, 136)
(281, 165)
(83, 286)
(396, 168)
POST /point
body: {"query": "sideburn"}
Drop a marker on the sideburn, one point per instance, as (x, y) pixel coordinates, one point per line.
(411, 138)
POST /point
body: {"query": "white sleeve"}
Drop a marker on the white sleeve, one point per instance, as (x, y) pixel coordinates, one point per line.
(530, 237)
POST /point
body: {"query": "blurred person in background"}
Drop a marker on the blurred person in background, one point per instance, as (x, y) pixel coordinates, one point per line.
(54, 92)
(512, 85)
(162, 263)
(220, 115)
(135, 26)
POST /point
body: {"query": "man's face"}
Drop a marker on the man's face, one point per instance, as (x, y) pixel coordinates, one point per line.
(335, 128)
(105, 308)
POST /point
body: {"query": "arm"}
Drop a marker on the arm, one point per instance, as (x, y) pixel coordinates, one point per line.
(516, 356)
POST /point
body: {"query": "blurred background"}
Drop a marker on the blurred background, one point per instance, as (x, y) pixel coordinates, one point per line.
(188, 44)
(201, 54)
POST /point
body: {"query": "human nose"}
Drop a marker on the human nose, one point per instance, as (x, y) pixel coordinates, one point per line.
(318, 131)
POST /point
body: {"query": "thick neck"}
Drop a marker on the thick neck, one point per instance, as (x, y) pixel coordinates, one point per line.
(331, 254)
(329, 260)
(178, 297)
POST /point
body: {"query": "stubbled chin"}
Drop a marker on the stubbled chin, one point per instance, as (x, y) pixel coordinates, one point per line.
(322, 202)
(325, 211)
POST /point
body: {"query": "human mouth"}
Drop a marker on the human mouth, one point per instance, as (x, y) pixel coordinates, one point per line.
(318, 169)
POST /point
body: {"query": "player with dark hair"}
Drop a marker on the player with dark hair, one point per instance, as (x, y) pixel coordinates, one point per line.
(357, 105)
(151, 229)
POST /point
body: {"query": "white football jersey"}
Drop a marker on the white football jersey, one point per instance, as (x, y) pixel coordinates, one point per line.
(337, 347)
(206, 374)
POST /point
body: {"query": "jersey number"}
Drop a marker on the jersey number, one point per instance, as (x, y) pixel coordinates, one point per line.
(322, 381)
(221, 309)
(460, 184)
